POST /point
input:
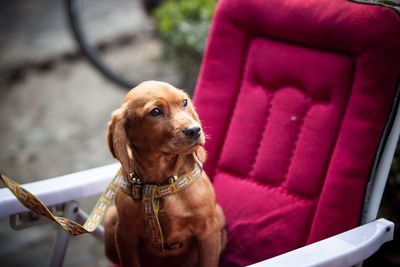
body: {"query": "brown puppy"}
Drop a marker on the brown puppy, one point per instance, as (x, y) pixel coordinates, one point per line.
(156, 134)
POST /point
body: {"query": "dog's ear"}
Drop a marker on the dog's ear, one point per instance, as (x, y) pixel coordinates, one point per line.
(117, 139)
(201, 154)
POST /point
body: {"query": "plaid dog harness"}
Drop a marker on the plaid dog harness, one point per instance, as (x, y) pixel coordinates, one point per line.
(151, 195)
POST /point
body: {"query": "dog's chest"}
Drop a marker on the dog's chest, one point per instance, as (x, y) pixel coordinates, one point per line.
(177, 220)
(186, 213)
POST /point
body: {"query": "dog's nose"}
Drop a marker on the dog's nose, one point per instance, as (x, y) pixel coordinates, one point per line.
(193, 132)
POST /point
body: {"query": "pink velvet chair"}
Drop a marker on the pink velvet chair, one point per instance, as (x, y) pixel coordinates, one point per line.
(296, 96)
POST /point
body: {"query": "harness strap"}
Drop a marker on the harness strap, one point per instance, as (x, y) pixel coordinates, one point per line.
(163, 190)
(151, 195)
(151, 206)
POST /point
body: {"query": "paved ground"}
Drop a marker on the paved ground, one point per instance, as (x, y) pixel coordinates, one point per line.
(54, 107)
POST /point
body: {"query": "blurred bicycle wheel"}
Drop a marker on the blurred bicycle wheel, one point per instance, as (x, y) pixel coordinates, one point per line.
(136, 50)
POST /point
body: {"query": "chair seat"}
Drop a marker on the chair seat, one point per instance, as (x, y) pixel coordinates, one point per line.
(260, 217)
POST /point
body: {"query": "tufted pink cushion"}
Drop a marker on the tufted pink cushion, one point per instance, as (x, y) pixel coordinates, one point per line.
(295, 95)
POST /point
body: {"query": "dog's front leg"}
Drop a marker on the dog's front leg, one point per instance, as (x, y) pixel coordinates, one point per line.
(127, 247)
(210, 249)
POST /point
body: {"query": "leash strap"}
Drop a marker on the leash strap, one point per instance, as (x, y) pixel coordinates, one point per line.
(37, 206)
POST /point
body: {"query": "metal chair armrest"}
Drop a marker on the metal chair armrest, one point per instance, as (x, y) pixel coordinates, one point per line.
(345, 249)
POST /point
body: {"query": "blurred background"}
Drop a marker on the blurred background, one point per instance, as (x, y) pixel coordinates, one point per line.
(55, 100)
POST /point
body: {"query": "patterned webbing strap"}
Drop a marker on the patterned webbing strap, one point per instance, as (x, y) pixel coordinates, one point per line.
(151, 206)
(151, 194)
(165, 189)
(73, 228)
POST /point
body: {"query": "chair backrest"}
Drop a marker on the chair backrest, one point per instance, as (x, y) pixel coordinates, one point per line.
(294, 95)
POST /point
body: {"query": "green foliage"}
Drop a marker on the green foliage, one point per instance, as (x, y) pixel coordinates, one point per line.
(183, 26)
(185, 23)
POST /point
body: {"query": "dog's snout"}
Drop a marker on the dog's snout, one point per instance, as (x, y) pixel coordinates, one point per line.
(193, 132)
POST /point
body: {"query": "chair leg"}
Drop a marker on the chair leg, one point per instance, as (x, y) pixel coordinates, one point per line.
(60, 247)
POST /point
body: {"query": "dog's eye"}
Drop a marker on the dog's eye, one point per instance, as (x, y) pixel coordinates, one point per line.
(155, 112)
(185, 103)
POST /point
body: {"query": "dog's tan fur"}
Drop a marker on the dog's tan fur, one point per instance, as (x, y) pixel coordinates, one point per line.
(155, 148)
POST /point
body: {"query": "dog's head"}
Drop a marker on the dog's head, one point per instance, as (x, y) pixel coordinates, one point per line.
(157, 117)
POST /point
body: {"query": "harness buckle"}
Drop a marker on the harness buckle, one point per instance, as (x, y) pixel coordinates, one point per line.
(173, 179)
(136, 186)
